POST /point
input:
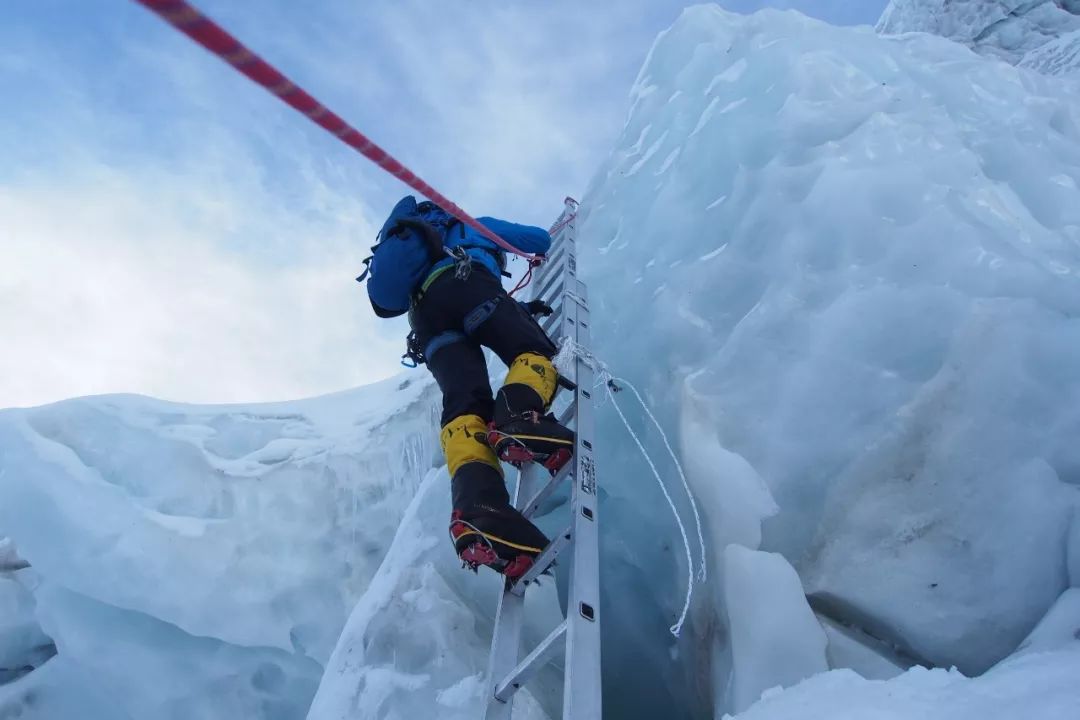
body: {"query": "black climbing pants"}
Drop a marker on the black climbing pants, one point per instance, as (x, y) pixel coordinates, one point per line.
(454, 320)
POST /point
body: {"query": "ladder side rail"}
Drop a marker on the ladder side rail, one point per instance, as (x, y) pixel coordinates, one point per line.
(509, 619)
(581, 690)
(579, 633)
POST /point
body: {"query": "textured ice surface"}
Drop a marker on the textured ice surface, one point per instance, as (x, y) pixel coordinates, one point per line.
(23, 644)
(852, 648)
(1040, 686)
(213, 551)
(858, 284)
(1026, 32)
(775, 638)
(416, 645)
(1074, 551)
(1060, 627)
(1060, 56)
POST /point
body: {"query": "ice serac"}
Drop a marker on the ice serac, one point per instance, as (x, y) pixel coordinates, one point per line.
(775, 639)
(212, 550)
(858, 279)
(1039, 34)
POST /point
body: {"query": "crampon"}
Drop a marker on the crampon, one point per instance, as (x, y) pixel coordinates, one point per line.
(506, 557)
(479, 554)
(511, 450)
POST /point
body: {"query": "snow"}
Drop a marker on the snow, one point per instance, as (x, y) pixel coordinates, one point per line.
(1041, 686)
(775, 638)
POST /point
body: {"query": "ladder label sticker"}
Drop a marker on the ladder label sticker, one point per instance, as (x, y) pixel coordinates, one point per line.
(588, 475)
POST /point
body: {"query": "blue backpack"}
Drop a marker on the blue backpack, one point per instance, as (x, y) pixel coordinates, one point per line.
(405, 250)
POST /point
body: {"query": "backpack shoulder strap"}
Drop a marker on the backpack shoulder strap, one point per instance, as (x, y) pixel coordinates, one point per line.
(431, 237)
(367, 269)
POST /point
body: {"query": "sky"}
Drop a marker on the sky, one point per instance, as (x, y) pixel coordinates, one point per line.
(169, 229)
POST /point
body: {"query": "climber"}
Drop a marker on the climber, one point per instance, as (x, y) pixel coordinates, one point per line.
(447, 276)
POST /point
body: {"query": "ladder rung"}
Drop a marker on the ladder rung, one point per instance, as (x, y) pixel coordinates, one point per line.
(568, 414)
(552, 320)
(552, 297)
(532, 662)
(555, 257)
(544, 493)
(543, 561)
(548, 283)
(553, 267)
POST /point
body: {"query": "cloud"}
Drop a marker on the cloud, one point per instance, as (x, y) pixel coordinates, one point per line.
(167, 228)
(125, 282)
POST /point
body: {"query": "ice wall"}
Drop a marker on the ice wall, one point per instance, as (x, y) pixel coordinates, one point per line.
(198, 561)
(846, 265)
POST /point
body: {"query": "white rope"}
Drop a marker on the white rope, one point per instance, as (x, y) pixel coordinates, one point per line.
(677, 627)
(702, 573)
(570, 350)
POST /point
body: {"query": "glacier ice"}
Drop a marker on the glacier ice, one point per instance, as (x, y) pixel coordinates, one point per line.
(1060, 56)
(888, 337)
(216, 551)
(851, 648)
(1059, 628)
(23, 644)
(1038, 34)
(1073, 551)
(775, 638)
(416, 644)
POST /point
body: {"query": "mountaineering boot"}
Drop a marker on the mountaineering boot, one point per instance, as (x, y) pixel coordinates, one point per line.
(522, 430)
(485, 528)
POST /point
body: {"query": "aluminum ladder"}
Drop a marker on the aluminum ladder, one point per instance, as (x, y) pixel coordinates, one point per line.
(578, 635)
